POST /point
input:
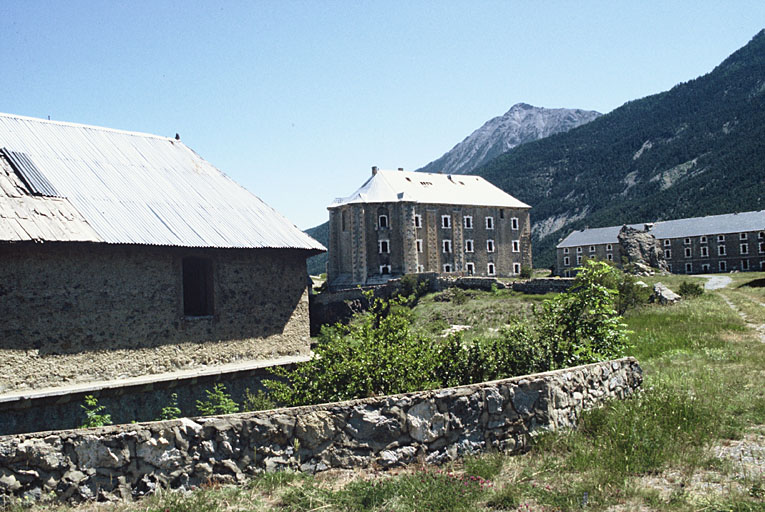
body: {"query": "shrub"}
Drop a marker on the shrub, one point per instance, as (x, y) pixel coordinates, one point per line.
(93, 416)
(526, 272)
(258, 401)
(688, 290)
(582, 325)
(218, 402)
(412, 287)
(377, 355)
(172, 411)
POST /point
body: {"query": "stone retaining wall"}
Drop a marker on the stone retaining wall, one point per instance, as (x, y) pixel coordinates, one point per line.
(434, 426)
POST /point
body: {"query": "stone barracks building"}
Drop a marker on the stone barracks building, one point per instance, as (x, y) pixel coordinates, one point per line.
(401, 222)
(715, 243)
(127, 254)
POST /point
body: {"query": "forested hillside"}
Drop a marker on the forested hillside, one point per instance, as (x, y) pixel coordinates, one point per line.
(696, 149)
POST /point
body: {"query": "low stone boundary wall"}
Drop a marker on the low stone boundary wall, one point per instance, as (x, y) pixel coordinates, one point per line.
(544, 285)
(433, 426)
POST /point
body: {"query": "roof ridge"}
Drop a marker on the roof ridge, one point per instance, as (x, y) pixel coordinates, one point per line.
(91, 126)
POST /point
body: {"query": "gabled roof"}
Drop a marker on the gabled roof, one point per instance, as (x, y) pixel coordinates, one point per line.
(680, 228)
(128, 188)
(427, 188)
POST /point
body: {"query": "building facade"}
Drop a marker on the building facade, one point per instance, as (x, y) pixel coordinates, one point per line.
(715, 243)
(402, 222)
(127, 254)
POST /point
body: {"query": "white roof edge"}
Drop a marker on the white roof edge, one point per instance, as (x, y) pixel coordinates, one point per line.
(91, 126)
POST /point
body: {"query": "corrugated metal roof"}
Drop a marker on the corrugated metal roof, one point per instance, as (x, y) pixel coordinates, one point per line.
(680, 228)
(427, 188)
(135, 188)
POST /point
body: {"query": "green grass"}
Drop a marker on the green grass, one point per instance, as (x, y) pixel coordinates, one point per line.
(703, 367)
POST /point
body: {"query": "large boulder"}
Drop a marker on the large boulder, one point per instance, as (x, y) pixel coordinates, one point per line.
(663, 295)
(642, 250)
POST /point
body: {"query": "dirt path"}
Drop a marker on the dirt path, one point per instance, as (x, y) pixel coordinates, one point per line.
(716, 282)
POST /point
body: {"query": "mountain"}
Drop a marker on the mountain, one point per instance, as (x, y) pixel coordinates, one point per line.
(318, 264)
(522, 123)
(697, 149)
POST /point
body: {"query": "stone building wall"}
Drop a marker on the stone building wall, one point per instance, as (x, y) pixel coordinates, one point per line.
(79, 312)
(364, 233)
(434, 426)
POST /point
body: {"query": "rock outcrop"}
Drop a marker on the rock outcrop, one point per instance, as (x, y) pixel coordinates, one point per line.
(664, 295)
(642, 251)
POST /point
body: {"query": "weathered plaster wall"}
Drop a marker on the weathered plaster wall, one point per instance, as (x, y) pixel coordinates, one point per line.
(79, 312)
(388, 431)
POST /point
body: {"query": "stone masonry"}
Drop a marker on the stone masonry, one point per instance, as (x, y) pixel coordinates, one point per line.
(89, 312)
(433, 426)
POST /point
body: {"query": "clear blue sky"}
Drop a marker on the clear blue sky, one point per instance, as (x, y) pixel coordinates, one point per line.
(297, 100)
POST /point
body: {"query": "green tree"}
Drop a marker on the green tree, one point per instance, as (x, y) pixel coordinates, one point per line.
(218, 402)
(93, 413)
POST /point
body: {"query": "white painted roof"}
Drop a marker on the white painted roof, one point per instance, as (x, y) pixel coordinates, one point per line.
(136, 188)
(427, 188)
(680, 228)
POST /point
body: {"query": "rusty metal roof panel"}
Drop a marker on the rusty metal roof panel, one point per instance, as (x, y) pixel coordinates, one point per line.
(135, 188)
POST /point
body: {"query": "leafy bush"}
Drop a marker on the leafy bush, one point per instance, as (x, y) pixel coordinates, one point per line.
(688, 290)
(526, 272)
(258, 401)
(172, 411)
(582, 325)
(379, 353)
(218, 402)
(412, 287)
(93, 416)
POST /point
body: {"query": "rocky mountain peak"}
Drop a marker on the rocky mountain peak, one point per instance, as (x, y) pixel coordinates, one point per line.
(522, 123)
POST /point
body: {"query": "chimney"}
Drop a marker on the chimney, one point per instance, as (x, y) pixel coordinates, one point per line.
(374, 170)
(400, 168)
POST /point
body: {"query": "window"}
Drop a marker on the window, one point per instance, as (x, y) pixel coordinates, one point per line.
(705, 267)
(446, 221)
(343, 219)
(688, 268)
(742, 236)
(761, 235)
(566, 261)
(720, 239)
(744, 264)
(687, 241)
(761, 247)
(447, 268)
(489, 222)
(516, 246)
(470, 268)
(705, 252)
(197, 286)
(489, 245)
(385, 269)
(703, 239)
(516, 268)
(418, 221)
(669, 265)
(490, 269)
(687, 252)
(610, 257)
(468, 246)
(744, 248)
(578, 259)
(609, 247)
(447, 245)
(667, 253)
(592, 248)
(721, 250)
(468, 220)
(579, 250)
(383, 246)
(418, 244)
(565, 250)
(382, 221)
(501, 213)
(514, 223)
(762, 264)
(420, 268)
(722, 266)
(667, 242)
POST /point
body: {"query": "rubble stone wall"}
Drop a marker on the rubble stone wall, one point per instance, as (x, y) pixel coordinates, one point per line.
(80, 312)
(434, 426)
